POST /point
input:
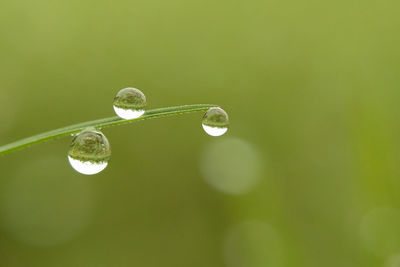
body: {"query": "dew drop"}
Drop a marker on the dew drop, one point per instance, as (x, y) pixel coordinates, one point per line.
(89, 152)
(129, 103)
(215, 121)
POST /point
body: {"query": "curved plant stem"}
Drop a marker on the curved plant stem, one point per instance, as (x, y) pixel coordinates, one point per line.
(99, 124)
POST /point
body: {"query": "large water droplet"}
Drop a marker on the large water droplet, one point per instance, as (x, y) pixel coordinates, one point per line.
(89, 152)
(215, 121)
(129, 103)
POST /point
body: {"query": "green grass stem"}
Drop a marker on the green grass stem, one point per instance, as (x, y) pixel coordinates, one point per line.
(99, 124)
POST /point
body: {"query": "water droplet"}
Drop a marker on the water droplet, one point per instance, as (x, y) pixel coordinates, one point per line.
(129, 103)
(89, 152)
(215, 121)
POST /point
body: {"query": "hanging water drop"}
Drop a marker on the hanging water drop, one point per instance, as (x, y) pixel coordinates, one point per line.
(129, 103)
(89, 152)
(215, 121)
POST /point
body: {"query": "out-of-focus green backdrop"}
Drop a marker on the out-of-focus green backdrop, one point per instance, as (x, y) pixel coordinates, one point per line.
(308, 174)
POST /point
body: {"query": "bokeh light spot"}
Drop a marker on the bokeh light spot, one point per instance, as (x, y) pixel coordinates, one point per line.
(380, 231)
(42, 206)
(231, 165)
(393, 261)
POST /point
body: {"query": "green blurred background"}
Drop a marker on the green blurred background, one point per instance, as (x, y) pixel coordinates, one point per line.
(307, 175)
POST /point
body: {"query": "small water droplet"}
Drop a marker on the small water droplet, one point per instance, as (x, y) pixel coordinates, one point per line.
(89, 152)
(129, 103)
(215, 121)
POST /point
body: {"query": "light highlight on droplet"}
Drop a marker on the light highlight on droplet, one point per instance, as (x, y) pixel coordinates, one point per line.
(129, 103)
(128, 114)
(215, 121)
(214, 131)
(87, 167)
